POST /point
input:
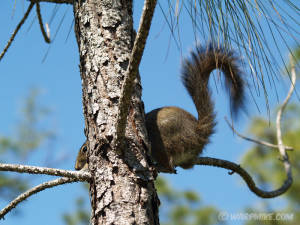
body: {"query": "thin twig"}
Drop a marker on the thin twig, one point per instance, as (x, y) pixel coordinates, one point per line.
(282, 150)
(245, 175)
(34, 190)
(255, 140)
(132, 69)
(16, 30)
(39, 15)
(79, 175)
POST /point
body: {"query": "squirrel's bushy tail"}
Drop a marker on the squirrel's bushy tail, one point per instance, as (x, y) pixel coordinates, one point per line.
(196, 72)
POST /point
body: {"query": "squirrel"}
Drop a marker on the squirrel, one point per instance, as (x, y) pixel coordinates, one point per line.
(81, 160)
(177, 137)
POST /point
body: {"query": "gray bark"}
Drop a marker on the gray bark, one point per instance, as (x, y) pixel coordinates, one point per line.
(122, 189)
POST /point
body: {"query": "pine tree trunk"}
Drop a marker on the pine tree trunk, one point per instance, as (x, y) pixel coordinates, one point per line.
(122, 190)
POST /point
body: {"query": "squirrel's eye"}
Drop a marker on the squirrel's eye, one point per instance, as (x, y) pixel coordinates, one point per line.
(84, 150)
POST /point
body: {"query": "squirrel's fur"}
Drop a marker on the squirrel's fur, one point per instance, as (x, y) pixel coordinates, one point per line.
(177, 137)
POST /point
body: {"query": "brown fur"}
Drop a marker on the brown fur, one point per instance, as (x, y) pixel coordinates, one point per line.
(177, 137)
(81, 160)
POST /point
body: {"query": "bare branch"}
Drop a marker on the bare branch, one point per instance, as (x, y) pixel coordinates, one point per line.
(16, 30)
(245, 175)
(282, 149)
(34, 190)
(78, 175)
(287, 164)
(132, 69)
(254, 140)
(54, 1)
(39, 15)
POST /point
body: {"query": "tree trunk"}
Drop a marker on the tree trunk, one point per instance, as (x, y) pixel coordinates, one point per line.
(122, 190)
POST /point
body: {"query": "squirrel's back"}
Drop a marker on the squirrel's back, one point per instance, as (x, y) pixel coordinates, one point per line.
(177, 138)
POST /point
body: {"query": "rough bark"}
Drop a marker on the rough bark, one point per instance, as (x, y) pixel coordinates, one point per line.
(122, 189)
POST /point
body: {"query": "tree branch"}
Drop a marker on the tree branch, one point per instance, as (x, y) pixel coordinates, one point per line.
(16, 30)
(287, 164)
(255, 140)
(245, 175)
(39, 15)
(132, 69)
(282, 149)
(78, 175)
(54, 1)
(34, 190)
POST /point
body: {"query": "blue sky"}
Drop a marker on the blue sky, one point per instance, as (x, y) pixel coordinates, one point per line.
(22, 68)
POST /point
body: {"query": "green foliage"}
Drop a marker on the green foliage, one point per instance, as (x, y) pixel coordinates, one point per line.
(80, 216)
(29, 135)
(10, 186)
(263, 162)
(271, 217)
(183, 207)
